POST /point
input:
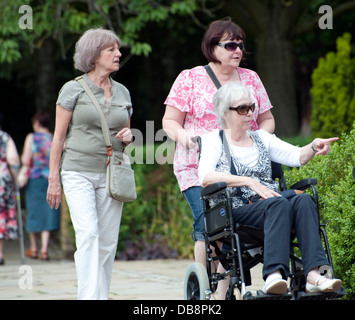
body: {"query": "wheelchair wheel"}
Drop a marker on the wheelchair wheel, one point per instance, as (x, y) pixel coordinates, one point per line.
(196, 284)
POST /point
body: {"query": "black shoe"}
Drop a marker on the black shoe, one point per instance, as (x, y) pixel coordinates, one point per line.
(2, 261)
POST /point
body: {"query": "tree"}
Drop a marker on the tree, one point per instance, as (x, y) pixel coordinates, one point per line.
(38, 28)
(276, 24)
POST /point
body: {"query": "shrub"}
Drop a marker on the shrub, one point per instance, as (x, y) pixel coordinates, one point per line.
(160, 220)
(336, 188)
(333, 98)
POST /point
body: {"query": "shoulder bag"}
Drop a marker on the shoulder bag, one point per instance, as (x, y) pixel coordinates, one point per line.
(120, 180)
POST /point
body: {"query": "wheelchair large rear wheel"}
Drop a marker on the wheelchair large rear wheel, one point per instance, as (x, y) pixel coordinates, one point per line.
(196, 284)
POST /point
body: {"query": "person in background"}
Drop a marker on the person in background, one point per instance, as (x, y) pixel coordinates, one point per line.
(41, 218)
(82, 153)
(190, 112)
(9, 161)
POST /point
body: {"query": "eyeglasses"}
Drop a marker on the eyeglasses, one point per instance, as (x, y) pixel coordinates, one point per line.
(243, 109)
(232, 46)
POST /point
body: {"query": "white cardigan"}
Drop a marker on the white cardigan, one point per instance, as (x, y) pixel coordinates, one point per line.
(279, 151)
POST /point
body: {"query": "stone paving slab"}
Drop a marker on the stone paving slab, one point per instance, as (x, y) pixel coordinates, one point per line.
(131, 280)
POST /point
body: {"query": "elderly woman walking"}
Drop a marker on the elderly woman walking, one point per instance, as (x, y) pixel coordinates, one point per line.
(248, 174)
(96, 217)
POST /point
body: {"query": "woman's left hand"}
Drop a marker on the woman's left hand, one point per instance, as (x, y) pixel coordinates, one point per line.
(323, 145)
(125, 135)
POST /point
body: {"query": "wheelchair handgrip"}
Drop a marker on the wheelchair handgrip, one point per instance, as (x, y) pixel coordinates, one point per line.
(304, 184)
(213, 188)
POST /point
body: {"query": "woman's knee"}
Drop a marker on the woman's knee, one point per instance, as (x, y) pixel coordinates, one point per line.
(278, 202)
(280, 207)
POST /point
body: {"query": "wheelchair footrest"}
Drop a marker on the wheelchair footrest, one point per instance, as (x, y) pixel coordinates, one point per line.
(301, 295)
(261, 295)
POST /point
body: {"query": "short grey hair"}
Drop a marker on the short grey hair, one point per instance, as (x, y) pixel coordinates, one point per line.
(226, 96)
(90, 45)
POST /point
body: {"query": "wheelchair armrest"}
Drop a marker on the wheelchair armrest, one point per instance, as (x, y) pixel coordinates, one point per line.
(304, 184)
(213, 189)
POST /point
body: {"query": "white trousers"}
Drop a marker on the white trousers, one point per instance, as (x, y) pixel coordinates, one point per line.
(96, 219)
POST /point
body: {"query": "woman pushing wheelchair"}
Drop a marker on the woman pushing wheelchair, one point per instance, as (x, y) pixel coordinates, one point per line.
(242, 159)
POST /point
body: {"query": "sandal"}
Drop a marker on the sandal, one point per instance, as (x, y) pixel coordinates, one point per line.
(44, 256)
(31, 253)
(329, 285)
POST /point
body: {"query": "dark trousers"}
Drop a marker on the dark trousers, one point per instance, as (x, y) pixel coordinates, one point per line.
(276, 216)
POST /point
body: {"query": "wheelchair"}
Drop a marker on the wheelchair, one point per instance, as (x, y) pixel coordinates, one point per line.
(243, 249)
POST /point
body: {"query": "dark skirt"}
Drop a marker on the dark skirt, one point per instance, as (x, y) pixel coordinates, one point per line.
(40, 217)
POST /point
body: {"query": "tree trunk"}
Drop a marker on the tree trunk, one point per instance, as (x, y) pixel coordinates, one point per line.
(271, 23)
(45, 79)
(275, 65)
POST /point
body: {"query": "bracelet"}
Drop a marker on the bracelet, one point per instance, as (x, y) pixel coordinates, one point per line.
(313, 148)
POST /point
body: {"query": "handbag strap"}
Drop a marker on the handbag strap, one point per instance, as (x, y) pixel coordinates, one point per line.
(104, 126)
(212, 76)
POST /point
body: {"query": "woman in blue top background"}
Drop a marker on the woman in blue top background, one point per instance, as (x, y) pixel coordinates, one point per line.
(40, 217)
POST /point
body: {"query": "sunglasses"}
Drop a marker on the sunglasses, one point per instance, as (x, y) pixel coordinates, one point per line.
(232, 46)
(243, 109)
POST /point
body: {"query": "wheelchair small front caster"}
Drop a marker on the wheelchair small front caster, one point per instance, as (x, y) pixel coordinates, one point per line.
(248, 296)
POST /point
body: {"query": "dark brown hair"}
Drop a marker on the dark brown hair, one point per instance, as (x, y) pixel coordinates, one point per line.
(214, 34)
(42, 117)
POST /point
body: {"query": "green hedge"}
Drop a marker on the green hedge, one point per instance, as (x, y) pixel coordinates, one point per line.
(336, 188)
(160, 219)
(333, 91)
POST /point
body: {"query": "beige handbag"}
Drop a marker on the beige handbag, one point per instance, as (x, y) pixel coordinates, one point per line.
(120, 180)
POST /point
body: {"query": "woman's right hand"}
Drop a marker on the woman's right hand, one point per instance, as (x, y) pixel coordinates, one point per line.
(54, 193)
(261, 190)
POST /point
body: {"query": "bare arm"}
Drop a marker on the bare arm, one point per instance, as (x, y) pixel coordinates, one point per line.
(322, 147)
(54, 192)
(12, 157)
(173, 122)
(239, 181)
(266, 121)
(26, 156)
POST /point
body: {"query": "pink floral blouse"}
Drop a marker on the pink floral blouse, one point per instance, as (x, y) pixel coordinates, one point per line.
(192, 92)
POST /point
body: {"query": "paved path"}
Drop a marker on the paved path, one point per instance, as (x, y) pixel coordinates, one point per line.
(131, 280)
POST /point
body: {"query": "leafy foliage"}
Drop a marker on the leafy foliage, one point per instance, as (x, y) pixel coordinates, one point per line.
(336, 188)
(58, 18)
(160, 215)
(333, 91)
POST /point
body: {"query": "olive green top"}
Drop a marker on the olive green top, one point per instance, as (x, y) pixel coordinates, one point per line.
(85, 148)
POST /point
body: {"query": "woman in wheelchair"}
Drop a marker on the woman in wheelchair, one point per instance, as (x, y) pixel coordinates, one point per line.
(242, 158)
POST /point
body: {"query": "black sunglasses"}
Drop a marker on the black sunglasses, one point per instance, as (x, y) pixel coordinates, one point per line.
(232, 46)
(243, 109)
